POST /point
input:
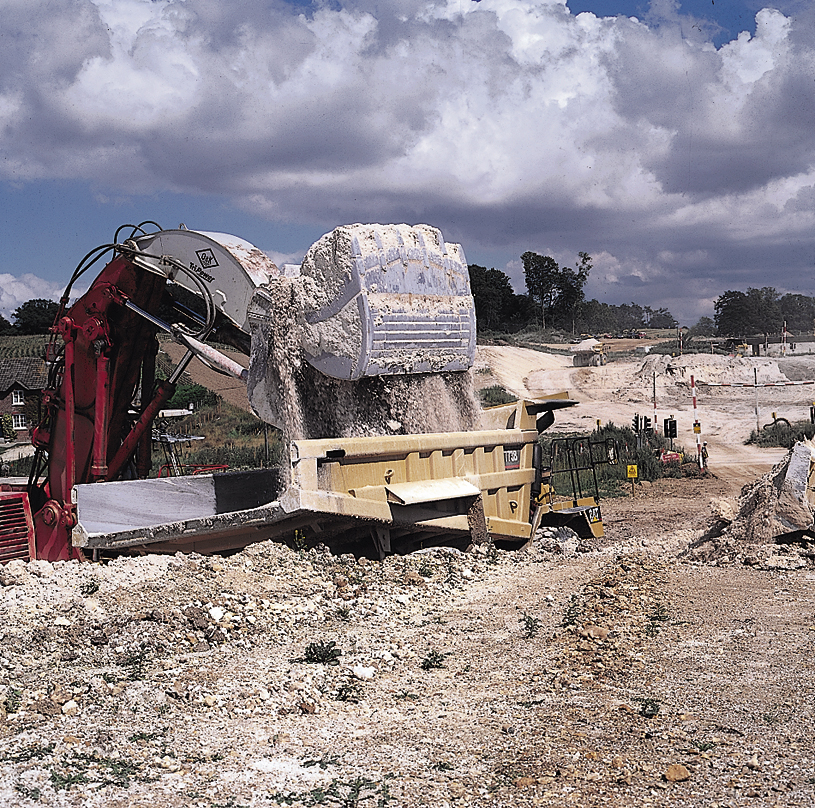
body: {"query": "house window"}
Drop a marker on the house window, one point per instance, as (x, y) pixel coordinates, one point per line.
(18, 422)
(17, 398)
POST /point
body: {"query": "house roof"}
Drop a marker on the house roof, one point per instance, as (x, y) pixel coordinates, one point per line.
(28, 372)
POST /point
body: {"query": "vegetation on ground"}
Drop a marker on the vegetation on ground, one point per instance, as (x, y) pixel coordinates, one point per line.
(642, 449)
(495, 395)
(7, 430)
(16, 347)
(231, 437)
(782, 433)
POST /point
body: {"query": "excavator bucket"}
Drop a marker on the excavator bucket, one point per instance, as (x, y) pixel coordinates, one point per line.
(386, 299)
(375, 299)
(382, 299)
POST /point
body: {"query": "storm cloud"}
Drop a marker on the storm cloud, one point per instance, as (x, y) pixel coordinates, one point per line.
(683, 168)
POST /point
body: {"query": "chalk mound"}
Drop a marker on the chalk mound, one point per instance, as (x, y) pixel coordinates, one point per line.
(710, 368)
(772, 524)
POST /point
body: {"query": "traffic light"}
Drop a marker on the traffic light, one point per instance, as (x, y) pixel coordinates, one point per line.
(646, 424)
(636, 423)
(669, 427)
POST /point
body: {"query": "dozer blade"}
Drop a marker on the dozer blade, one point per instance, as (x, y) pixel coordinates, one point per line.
(387, 299)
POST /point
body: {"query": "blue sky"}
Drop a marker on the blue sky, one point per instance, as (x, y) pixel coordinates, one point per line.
(674, 148)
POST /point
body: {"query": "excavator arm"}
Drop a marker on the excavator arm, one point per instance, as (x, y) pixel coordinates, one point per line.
(372, 300)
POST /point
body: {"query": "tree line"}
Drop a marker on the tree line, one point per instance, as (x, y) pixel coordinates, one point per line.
(32, 317)
(763, 311)
(555, 298)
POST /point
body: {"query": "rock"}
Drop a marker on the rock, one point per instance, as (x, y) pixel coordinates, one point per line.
(363, 673)
(70, 708)
(41, 568)
(777, 562)
(217, 613)
(456, 790)
(13, 573)
(593, 632)
(60, 696)
(98, 637)
(753, 763)
(676, 773)
(196, 617)
(170, 763)
(45, 707)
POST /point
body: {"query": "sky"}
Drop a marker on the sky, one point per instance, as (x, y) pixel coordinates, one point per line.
(673, 141)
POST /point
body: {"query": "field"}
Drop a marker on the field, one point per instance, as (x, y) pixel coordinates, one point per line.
(613, 673)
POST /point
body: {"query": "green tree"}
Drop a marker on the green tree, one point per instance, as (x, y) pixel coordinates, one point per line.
(764, 304)
(556, 291)
(597, 318)
(732, 313)
(756, 311)
(799, 313)
(661, 318)
(35, 316)
(542, 277)
(631, 316)
(493, 296)
(572, 282)
(5, 326)
(7, 427)
(704, 327)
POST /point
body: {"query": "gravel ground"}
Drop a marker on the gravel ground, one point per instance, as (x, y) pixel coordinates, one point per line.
(621, 675)
(615, 673)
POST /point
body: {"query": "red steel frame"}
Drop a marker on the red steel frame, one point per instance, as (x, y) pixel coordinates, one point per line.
(87, 431)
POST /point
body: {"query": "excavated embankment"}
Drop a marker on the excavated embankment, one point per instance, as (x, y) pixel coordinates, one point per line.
(772, 523)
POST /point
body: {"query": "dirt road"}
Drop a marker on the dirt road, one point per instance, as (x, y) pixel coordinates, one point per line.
(619, 390)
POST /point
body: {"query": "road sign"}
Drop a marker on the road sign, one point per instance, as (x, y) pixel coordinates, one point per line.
(632, 472)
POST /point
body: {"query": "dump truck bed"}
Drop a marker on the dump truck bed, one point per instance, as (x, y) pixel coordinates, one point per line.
(404, 491)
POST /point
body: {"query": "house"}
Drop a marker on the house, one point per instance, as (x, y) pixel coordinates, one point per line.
(22, 381)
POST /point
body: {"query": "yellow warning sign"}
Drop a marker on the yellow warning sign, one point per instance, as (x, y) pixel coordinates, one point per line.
(697, 427)
(632, 472)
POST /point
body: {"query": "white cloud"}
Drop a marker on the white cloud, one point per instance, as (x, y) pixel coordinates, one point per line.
(16, 290)
(507, 122)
